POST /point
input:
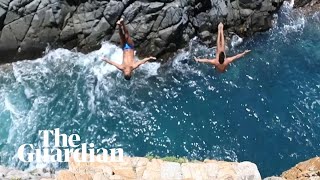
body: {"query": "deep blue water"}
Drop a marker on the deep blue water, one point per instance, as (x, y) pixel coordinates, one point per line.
(264, 109)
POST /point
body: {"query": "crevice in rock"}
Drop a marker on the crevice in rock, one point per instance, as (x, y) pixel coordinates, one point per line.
(2, 21)
(29, 27)
(124, 8)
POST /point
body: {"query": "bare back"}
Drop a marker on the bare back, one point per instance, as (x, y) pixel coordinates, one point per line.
(220, 67)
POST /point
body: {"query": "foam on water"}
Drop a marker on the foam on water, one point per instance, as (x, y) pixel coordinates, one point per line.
(236, 40)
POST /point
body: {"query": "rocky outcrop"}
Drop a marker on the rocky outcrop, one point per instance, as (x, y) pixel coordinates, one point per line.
(309, 169)
(142, 168)
(302, 3)
(36, 174)
(157, 27)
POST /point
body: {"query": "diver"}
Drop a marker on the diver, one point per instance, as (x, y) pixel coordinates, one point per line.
(221, 62)
(128, 63)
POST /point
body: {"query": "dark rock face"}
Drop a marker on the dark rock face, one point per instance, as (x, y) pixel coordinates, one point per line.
(301, 3)
(158, 27)
(308, 6)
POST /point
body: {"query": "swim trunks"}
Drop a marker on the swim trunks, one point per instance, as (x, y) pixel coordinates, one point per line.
(127, 46)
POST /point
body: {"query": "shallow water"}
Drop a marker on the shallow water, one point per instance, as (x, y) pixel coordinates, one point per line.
(265, 109)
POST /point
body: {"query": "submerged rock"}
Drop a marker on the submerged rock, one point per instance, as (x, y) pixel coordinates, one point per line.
(158, 28)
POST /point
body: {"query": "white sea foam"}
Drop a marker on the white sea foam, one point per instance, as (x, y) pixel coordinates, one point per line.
(236, 40)
(33, 77)
(293, 20)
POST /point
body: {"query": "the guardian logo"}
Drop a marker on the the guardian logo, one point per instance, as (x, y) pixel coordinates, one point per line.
(65, 148)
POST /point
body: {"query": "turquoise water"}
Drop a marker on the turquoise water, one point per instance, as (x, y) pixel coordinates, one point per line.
(265, 109)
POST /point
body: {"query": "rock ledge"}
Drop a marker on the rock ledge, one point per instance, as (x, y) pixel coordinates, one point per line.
(145, 169)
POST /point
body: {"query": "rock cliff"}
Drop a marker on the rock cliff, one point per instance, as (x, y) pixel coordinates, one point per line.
(308, 6)
(309, 169)
(156, 169)
(158, 27)
(143, 168)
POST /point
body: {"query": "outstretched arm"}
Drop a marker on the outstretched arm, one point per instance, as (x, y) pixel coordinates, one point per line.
(233, 58)
(119, 66)
(204, 60)
(137, 64)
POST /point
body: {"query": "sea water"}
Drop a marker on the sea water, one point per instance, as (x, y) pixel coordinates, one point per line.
(264, 109)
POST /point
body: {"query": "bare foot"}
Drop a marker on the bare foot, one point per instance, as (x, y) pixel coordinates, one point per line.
(152, 58)
(196, 59)
(220, 26)
(120, 21)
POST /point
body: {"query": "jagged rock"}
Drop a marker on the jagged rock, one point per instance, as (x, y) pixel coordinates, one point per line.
(10, 16)
(4, 4)
(42, 173)
(3, 171)
(139, 165)
(309, 169)
(8, 40)
(113, 11)
(36, 174)
(152, 169)
(170, 171)
(308, 6)
(247, 170)
(17, 174)
(142, 168)
(20, 27)
(101, 176)
(246, 12)
(82, 176)
(2, 12)
(301, 3)
(192, 170)
(116, 177)
(64, 174)
(158, 28)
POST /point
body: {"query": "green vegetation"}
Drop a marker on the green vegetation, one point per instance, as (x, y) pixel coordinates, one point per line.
(168, 158)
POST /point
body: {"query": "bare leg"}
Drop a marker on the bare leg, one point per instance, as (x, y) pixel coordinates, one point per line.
(122, 36)
(126, 34)
(220, 33)
(218, 42)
